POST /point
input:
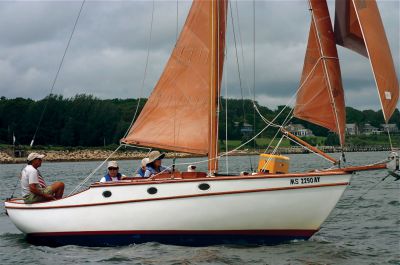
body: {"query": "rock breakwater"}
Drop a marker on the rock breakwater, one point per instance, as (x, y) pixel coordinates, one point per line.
(82, 155)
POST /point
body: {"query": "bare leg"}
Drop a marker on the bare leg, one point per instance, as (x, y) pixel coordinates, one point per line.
(58, 189)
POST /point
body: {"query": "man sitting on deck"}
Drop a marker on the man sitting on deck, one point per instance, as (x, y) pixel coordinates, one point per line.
(34, 188)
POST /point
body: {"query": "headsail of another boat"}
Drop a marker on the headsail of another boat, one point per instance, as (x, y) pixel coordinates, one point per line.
(359, 27)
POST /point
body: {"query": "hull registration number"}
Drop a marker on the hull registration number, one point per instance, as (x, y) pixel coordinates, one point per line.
(307, 180)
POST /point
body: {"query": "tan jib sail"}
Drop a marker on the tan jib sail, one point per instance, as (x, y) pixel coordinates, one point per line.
(179, 113)
(359, 27)
(320, 99)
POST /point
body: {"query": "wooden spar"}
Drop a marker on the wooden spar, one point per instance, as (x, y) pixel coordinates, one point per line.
(214, 87)
(365, 168)
(312, 148)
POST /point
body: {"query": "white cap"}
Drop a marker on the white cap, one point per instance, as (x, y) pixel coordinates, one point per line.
(33, 156)
(113, 164)
(145, 161)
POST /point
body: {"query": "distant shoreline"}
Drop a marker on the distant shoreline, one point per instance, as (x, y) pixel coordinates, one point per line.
(100, 155)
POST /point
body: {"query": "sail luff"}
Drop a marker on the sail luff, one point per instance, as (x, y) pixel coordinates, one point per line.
(320, 98)
(328, 78)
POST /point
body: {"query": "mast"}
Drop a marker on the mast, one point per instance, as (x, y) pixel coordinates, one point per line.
(217, 24)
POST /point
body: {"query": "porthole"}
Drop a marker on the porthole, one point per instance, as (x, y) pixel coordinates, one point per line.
(152, 190)
(204, 186)
(107, 194)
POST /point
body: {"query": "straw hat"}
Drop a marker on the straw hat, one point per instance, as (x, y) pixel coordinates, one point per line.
(155, 155)
(33, 156)
(145, 161)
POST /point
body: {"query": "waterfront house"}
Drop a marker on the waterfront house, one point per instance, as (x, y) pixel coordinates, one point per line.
(352, 129)
(299, 130)
(368, 129)
(391, 128)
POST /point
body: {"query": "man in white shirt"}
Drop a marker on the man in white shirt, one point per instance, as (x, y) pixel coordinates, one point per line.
(34, 188)
(112, 174)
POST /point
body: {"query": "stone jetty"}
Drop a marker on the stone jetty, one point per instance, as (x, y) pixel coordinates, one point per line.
(99, 154)
(81, 155)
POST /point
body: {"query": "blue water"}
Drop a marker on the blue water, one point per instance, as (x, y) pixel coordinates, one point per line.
(362, 230)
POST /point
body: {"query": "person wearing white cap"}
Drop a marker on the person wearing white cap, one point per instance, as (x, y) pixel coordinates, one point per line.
(33, 186)
(112, 174)
(142, 169)
(154, 165)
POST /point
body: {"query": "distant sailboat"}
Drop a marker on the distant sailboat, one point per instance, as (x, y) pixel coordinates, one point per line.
(202, 208)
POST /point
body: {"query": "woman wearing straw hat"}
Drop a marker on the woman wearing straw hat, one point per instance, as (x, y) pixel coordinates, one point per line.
(154, 165)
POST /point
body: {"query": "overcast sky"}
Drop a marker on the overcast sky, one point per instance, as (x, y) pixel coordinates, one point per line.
(107, 54)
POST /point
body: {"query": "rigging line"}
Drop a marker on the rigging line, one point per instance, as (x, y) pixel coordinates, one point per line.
(237, 63)
(175, 105)
(333, 102)
(254, 68)
(243, 63)
(145, 70)
(177, 19)
(241, 46)
(362, 195)
(94, 171)
(292, 98)
(58, 72)
(226, 153)
(390, 138)
(287, 119)
(307, 148)
(273, 153)
(218, 86)
(284, 123)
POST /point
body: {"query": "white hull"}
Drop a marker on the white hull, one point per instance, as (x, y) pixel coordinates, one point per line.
(255, 206)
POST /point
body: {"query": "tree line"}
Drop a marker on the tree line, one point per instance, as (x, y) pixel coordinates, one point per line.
(87, 121)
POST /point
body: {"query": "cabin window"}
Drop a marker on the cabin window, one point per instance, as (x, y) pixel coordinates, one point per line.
(152, 190)
(107, 194)
(204, 186)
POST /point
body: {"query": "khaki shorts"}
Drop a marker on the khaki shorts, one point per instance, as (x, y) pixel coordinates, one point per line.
(32, 198)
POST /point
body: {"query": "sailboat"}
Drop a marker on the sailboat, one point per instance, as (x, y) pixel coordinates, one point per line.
(270, 205)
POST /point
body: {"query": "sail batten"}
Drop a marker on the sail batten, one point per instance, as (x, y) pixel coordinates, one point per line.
(180, 113)
(320, 99)
(359, 27)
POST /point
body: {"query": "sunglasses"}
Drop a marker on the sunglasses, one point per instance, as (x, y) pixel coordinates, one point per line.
(112, 168)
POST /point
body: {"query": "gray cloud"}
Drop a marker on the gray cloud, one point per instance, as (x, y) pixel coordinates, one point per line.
(108, 52)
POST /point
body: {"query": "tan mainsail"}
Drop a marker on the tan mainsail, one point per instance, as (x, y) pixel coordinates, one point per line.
(359, 27)
(180, 114)
(320, 99)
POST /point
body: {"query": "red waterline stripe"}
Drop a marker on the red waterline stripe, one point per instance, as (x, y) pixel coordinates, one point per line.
(178, 197)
